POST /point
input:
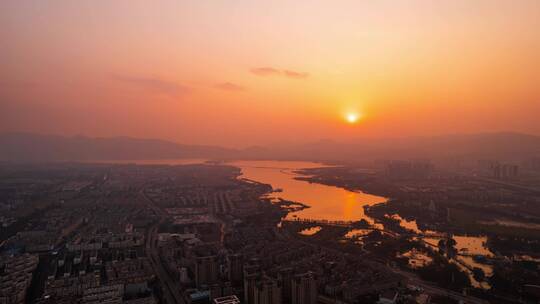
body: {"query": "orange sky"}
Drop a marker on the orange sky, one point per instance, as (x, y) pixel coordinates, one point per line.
(238, 73)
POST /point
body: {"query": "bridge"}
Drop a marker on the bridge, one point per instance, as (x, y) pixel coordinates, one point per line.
(347, 224)
(321, 222)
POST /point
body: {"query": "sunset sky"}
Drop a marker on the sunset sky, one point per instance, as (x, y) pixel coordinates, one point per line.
(238, 73)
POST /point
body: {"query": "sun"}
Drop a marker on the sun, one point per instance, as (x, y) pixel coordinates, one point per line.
(352, 117)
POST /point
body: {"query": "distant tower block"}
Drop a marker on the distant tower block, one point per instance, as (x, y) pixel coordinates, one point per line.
(304, 289)
(235, 263)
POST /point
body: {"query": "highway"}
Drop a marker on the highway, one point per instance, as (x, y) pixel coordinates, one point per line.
(171, 290)
(430, 288)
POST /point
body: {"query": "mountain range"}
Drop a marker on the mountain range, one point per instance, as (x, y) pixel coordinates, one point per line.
(500, 146)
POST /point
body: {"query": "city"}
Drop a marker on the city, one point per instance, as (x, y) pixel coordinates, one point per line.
(204, 233)
(270, 152)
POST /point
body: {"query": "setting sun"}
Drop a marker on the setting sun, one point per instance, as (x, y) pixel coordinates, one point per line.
(352, 117)
(270, 151)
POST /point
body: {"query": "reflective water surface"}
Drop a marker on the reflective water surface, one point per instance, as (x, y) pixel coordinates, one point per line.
(337, 204)
(326, 202)
(310, 230)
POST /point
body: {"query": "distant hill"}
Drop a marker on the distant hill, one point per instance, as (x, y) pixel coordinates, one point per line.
(499, 146)
(34, 147)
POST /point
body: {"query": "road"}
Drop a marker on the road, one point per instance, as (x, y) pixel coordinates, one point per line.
(171, 288)
(430, 288)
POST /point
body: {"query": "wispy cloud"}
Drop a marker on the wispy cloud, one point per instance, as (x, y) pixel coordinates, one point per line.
(294, 74)
(229, 86)
(265, 71)
(269, 71)
(155, 84)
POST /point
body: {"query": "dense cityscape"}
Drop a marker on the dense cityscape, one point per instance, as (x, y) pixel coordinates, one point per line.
(270, 152)
(204, 233)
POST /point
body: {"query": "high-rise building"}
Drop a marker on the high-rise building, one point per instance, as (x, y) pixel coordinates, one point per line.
(267, 291)
(235, 264)
(251, 276)
(502, 171)
(406, 170)
(16, 276)
(304, 289)
(220, 290)
(285, 277)
(206, 270)
(183, 274)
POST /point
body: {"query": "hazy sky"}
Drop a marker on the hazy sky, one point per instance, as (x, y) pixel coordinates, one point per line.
(249, 72)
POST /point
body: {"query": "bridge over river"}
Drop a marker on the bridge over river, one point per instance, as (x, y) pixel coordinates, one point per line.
(348, 224)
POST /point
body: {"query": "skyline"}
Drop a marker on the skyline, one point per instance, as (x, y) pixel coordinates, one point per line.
(203, 72)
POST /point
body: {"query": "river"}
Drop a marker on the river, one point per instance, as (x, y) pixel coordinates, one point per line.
(326, 202)
(333, 203)
(329, 202)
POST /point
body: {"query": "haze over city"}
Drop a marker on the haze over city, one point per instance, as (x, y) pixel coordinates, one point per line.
(270, 152)
(245, 73)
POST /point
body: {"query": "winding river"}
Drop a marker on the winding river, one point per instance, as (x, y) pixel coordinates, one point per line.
(329, 202)
(326, 202)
